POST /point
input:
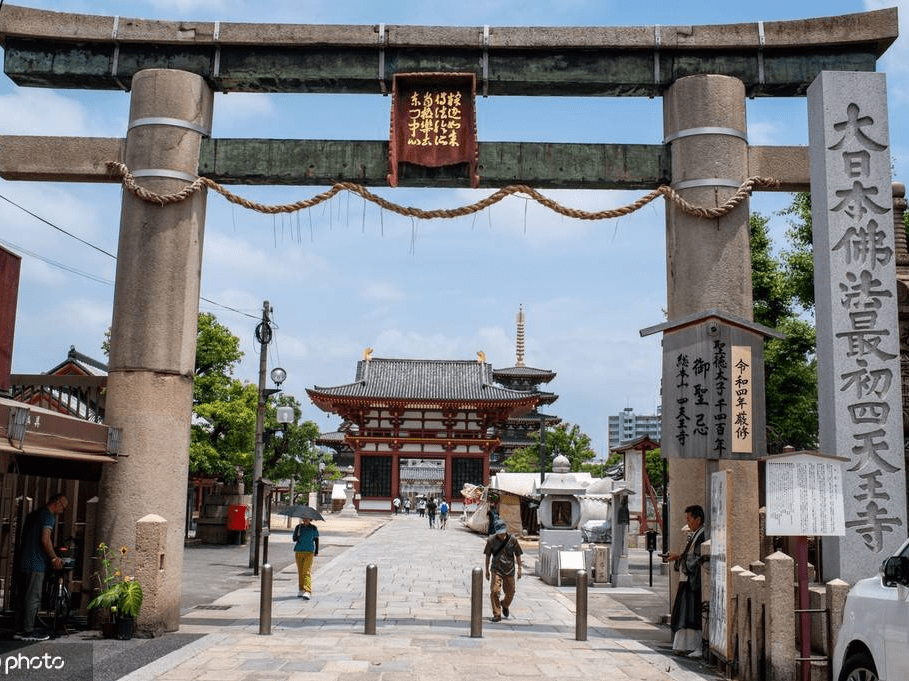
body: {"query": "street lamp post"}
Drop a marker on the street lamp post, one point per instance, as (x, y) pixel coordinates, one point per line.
(319, 502)
(542, 448)
(278, 375)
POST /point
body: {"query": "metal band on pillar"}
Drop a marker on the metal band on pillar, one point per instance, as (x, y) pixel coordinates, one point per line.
(381, 42)
(172, 122)
(761, 54)
(706, 182)
(486, 60)
(656, 56)
(706, 130)
(115, 60)
(165, 172)
(216, 37)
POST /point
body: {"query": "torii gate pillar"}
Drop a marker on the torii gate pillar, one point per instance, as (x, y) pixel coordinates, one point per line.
(153, 333)
(708, 266)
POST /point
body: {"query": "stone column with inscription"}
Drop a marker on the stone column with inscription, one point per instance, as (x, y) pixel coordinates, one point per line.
(709, 268)
(153, 332)
(859, 391)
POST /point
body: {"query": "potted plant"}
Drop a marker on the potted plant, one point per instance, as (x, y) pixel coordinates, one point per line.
(120, 593)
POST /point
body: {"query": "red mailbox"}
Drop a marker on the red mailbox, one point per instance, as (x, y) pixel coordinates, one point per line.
(236, 518)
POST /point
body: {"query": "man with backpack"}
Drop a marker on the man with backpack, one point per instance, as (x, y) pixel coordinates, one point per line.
(443, 514)
(503, 559)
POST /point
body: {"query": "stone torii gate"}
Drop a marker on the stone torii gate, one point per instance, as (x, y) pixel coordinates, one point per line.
(172, 69)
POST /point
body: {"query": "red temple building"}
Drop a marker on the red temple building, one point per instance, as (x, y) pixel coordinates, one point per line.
(421, 426)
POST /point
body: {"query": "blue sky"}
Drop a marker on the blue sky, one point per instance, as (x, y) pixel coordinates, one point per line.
(339, 281)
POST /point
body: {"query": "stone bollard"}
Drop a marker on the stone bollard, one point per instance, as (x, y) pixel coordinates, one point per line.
(265, 601)
(150, 563)
(372, 582)
(758, 625)
(780, 617)
(476, 603)
(837, 590)
(580, 612)
(741, 584)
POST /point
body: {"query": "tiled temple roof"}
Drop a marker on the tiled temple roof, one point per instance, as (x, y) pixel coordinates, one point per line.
(421, 379)
(539, 375)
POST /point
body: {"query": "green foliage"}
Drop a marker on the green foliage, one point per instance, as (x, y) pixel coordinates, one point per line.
(222, 438)
(223, 433)
(564, 439)
(784, 300)
(120, 592)
(290, 450)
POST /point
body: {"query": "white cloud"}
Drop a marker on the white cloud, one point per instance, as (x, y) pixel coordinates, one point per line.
(51, 113)
(238, 110)
(381, 291)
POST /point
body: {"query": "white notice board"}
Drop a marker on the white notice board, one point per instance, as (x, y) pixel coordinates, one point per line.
(717, 627)
(804, 495)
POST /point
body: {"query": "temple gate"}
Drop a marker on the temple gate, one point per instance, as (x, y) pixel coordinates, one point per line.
(703, 74)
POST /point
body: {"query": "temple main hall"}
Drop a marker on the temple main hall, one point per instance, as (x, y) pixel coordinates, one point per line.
(421, 425)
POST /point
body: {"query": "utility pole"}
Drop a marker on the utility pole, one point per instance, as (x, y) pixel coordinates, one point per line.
(263, 335)
(542, 449)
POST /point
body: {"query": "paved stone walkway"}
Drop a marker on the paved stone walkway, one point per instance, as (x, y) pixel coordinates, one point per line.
(422, 624)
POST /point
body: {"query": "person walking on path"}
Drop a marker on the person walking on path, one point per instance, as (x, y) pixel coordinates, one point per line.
(421, 507)
(443, 514)
(503, 559)
(431, 511)
(686, 612)
(36, 556)
(306, 547)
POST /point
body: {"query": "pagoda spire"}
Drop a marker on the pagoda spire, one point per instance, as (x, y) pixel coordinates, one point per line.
(519, 350)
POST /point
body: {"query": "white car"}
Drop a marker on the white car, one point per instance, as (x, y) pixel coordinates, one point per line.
(873, 642)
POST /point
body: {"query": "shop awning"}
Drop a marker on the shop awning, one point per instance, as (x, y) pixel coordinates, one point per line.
(39, 441)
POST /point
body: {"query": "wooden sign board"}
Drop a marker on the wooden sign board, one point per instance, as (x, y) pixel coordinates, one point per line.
(433, 122)
(713, 392)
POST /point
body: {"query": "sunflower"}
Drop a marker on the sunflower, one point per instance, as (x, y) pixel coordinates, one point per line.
(123, 551)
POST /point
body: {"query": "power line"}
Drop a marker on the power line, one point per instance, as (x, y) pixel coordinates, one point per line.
(72, 270)
(80, 273)
(59, 229)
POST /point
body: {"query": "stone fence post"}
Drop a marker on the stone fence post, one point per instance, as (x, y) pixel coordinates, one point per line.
(780, 627)
(837, 590)
(150, 561)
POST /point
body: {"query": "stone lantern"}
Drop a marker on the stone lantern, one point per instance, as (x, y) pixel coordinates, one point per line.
(350, 481)
(559, 514)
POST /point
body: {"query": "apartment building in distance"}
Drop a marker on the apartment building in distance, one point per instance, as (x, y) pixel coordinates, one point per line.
(627, 426)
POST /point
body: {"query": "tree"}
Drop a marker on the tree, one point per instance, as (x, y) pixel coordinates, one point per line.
(290, 451)
(222, 438)
(783, 290)
(565, 439)
(790, 365)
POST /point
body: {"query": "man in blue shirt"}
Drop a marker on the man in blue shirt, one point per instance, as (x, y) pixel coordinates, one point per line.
(306, 547)
(36, 556)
